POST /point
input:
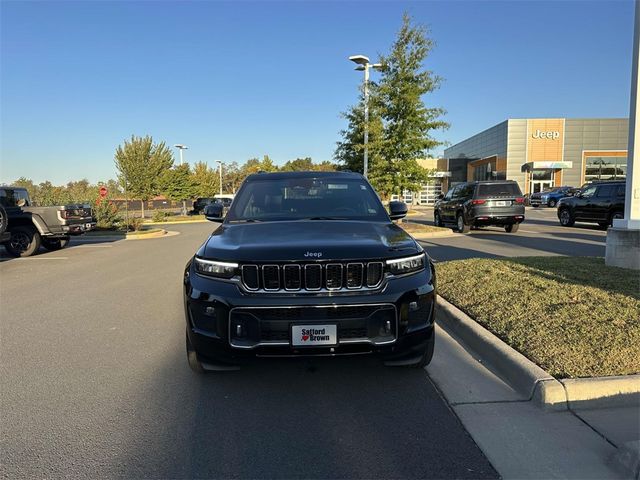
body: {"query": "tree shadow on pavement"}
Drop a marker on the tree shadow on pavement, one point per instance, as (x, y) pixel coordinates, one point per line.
(296, 418)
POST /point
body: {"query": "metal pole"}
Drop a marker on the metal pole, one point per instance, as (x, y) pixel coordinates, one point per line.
(631, 220)
(220, 164)
(184, 204)
(366, 119)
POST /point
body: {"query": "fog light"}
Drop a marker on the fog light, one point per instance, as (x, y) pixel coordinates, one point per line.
(413, 306)
(387, 326)
(211, 311)
(239, 330)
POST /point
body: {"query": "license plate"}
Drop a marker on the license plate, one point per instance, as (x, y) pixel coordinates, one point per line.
(311, 335)
(502, 204)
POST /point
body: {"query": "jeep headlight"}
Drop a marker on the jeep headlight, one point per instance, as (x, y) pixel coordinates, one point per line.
(400, 266)
(214, 268)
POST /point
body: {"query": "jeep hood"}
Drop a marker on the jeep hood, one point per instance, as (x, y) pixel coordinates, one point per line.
(307, 240)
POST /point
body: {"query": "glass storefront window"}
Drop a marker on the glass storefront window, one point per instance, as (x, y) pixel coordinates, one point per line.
(486, 171)
(542, 174)
(605, 168)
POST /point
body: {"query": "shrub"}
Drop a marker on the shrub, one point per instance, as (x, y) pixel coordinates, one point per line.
(159, 216)
(134, 224)
(107, 214)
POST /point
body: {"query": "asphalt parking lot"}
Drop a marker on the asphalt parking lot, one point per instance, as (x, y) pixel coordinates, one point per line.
(95, 381)
(540, 234)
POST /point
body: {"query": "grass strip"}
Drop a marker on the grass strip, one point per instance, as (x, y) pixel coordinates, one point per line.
(573, 316)
(411, 227)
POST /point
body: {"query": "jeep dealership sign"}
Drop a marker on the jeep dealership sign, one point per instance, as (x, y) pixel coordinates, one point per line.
(551, 135)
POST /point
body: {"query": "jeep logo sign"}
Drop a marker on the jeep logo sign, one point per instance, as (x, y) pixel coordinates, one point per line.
(551, 135)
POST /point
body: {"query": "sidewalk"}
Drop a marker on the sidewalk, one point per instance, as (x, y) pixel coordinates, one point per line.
(520, 439)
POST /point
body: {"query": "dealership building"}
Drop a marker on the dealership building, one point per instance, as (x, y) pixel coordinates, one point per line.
(539, 153)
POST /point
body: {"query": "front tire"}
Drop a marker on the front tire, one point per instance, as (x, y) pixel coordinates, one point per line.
(615, 216)
(552, 203)
(512, 228)
(427, 355)
(53, 244)
(24, 241)
(462, 227)
(3, 220)
(437, 220)
(566, 219)
(535, 206)
(192, 358)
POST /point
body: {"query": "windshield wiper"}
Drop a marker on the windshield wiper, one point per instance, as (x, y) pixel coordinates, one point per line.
(324, 218)
(245, 220)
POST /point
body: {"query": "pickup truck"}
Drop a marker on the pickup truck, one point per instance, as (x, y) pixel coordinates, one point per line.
(31, 227)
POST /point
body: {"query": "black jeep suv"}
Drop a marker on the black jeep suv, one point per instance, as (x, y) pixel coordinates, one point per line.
(479, 204)
(308, 263)
(598, 202)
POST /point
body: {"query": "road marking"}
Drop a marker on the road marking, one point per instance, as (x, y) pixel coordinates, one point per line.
(42, 258)
(82, 245)
(528, 231)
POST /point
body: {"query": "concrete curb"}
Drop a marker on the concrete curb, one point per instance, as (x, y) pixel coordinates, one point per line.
(160, 234)
(532, 381)
(175, 223)
(426, 236)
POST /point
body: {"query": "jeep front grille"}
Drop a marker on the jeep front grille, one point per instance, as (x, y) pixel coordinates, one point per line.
(312, 276)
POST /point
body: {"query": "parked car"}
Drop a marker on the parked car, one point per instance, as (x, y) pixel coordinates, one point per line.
(200, 203)
(551, 197)
(479, 204)
(225, 199)
(308, 264)
(31, 227)
(4, 235)
(599, 203)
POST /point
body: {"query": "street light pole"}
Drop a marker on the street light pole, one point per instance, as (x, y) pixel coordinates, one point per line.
(181, 148)
(364, 65)
(220, 164)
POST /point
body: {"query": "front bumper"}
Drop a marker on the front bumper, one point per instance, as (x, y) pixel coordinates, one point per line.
(228, 326)
(78, 228)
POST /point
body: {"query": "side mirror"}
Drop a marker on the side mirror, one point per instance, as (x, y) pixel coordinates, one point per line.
(397, 210)
(440, 196)
(213, 212)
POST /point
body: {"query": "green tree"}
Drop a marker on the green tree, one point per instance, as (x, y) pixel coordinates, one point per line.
(408, 122)
(178, 184)
(141, 164)
(267, 165)
(206, 180)
(29, 185)
(232, 177)
(350, 149)
(81, 191)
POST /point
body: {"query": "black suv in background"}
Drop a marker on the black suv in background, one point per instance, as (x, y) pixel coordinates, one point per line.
(599, 203)
(200, 203)
(308, 264)
(480, 204)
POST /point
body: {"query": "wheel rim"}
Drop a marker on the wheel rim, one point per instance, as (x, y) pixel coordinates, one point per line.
(19, 241)
(460, 223)
(552, 203)
(437, 219)
(564, 217)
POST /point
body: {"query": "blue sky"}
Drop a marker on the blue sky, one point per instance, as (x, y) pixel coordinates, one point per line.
(235, 80)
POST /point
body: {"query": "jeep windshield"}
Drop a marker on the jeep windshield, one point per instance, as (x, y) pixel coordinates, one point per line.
(306, 198)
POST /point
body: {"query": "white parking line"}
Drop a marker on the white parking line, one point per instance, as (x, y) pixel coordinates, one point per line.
(82, 245)
(41, 258)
